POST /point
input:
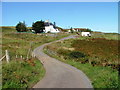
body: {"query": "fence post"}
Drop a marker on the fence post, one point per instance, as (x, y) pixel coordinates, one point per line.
(33, 55)
(7, 56)
(21, 57)
(16, 56)
(2, 57)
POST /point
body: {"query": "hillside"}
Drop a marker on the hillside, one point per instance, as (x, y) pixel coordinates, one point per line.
(96, 56)
(23, 71)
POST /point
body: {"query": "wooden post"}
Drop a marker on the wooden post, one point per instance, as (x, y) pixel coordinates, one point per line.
(7, 56)
(16, 56)
(21, 57)
(2, 58)
(33, 55)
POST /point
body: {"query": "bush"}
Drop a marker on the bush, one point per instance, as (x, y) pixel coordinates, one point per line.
(76, 54)
(21, 27)
(48, 32)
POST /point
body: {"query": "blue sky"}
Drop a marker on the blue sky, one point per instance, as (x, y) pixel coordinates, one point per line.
(98, 16)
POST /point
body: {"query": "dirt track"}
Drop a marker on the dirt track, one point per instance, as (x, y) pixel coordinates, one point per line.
(59, 74)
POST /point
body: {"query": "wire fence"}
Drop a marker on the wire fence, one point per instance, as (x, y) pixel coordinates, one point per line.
(8, 57)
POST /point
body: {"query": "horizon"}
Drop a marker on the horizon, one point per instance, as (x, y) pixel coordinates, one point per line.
(97, 16)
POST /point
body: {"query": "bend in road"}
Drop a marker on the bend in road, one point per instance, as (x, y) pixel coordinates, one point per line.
(59, 74)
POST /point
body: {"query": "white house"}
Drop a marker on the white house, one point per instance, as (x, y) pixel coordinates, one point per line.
(85, 33)
(49, 27)
(74, 30)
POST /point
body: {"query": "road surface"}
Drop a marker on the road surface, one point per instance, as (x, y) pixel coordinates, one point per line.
(59, 74)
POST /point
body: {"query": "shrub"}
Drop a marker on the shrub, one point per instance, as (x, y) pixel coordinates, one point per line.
(48, 32)
(21, 27)
(76, 54)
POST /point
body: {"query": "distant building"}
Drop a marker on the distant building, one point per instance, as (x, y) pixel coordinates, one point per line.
(81, 29)
(50, 28)
(86, 34)
(69, 31)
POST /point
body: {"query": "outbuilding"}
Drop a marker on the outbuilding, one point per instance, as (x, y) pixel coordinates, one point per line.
(86, 34)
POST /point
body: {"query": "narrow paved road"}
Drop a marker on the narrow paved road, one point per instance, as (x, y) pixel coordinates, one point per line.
(59, 74)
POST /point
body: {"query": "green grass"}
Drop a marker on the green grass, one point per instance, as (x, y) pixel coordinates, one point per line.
(19, 43)
(21, 73)
(100, 76)
(110, 36)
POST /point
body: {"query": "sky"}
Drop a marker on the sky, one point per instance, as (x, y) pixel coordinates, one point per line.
(60, 0)
(98, 16)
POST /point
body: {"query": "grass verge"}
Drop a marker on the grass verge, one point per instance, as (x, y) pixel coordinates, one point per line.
(22, 74)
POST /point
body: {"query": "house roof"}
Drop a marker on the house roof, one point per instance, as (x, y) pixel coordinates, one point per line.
(47, 23)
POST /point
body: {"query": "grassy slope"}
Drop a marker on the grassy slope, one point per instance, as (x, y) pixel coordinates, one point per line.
(21, 73)
(101, 77)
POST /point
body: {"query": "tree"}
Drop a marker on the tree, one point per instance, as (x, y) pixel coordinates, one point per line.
(38, 26)
(21, 27)
(54, 25)
(71, 29)
(88, 30)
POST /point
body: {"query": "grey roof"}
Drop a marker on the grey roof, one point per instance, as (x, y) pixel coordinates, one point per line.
(47, 24)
